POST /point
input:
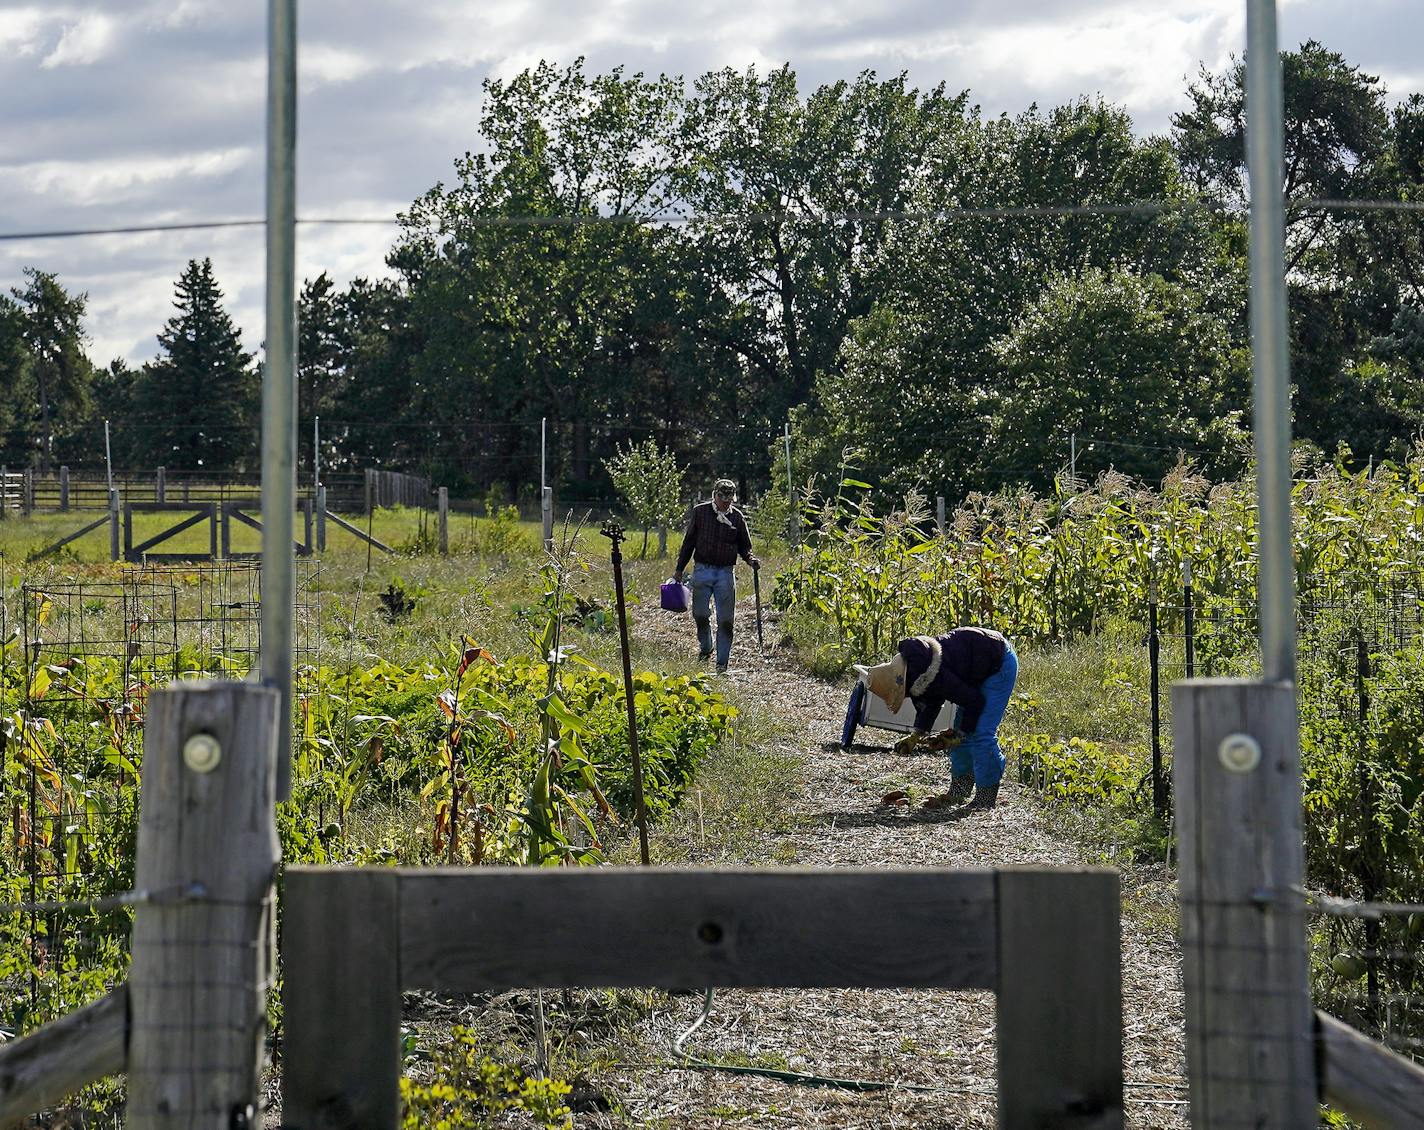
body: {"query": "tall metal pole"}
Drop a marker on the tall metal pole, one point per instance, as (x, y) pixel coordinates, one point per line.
(108, 458)
(791, 488)
(543, 454)
(1270, 359)
(279, 390)
(316, 453)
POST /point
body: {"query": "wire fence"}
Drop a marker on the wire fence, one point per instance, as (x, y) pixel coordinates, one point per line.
(77, 671)
(1359, 648)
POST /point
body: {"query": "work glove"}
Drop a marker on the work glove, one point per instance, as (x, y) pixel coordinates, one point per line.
(755, 564)
(908, 743)
(945, 739)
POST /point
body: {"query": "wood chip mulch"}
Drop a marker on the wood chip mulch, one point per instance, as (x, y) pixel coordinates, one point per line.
(935, 1048)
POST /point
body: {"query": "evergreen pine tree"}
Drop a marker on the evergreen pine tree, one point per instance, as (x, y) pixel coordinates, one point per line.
(57, 395)
(198, 397)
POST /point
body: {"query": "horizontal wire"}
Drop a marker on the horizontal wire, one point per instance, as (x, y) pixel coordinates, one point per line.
(190, 893)
(1355, 908)
(749, 219)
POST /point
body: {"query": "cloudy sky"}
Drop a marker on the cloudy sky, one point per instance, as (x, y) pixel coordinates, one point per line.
(121, 112)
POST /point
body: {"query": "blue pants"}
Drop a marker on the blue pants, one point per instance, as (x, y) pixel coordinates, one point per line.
(979, 752)
(714, 582)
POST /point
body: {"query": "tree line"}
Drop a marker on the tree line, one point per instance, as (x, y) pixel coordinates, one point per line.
(924, 294)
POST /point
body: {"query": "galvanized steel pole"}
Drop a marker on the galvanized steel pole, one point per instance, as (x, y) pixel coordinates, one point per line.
(1270, 357)
(279, 392)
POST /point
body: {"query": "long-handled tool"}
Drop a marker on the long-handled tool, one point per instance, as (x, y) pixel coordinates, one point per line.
(756, 592)
(614, 533)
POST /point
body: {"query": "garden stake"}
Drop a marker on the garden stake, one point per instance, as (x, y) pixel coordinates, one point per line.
(756, 592)
(614, 533)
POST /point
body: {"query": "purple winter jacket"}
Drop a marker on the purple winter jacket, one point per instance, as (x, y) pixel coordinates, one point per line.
(968, 656)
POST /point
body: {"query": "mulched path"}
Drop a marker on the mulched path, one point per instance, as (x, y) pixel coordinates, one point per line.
(935, 1047)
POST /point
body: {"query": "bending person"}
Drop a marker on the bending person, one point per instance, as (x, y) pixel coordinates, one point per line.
(974, 668)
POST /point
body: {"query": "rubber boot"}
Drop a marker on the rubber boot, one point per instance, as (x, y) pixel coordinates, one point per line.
(985, 797)
(960, 788)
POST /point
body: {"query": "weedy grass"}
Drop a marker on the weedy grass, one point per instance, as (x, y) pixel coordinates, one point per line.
(739, 802)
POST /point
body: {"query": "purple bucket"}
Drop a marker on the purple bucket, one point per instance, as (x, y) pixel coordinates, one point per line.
(676, 597)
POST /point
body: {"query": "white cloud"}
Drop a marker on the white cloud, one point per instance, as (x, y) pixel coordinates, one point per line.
(21, 30)
(322, 64)
(88, 183)
(82, 43)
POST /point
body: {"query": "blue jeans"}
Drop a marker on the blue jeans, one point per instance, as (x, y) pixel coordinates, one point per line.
(979, 753)
(711, 582)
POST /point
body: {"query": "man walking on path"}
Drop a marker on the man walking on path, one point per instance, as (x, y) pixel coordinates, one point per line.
(716, 536)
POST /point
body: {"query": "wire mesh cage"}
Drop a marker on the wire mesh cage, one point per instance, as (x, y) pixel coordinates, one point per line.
(76, 674)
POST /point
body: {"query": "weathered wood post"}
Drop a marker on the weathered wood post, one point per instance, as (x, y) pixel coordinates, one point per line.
(341, 1052)
(1236, 771)
(203, 940)
(64, 489)
(4, 493)
(307, 517)
(1059, 1009)
(28, 486)
(113, 524)
(160, 486)
(939, 515)
(442, 502)
(321, 519)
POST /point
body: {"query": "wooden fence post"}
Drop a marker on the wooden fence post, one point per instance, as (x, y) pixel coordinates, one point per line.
(203, 941)
(113, 524)
(27, 499)
(64, 489)
(160, 486)
(1059, 1010)
(442, 502)
(939, 515)
(4, 493)
(1250, 1036)
(341, 999)
(306, 550)
(321, 519)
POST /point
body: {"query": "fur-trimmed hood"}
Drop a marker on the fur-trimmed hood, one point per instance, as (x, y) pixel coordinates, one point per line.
(923, 657)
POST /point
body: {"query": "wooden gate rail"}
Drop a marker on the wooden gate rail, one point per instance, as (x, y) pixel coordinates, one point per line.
(236, 511)
(1045, 941)
(196, 511)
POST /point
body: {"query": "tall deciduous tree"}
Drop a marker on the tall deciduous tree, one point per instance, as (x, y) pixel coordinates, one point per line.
(198, 398)
(918, 381)
(566, 318)
(1137, 365)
